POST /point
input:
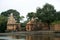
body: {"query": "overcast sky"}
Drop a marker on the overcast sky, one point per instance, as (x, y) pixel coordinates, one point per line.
(25, 6)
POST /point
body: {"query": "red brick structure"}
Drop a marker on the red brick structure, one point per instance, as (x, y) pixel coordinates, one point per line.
(42, 26)
(55, 27)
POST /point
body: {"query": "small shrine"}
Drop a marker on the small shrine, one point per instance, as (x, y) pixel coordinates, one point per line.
(34, 25)
(12, 25)
(31, 25)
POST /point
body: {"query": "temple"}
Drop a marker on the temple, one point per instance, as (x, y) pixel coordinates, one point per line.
(31, 25)
(34, 25)
(12, 25)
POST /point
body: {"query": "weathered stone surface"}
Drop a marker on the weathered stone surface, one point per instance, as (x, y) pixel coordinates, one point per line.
(55, 27)
(12, 25)
(33, 25)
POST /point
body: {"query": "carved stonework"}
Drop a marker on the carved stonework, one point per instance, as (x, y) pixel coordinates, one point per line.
(11, 19)
(12, 25)
(31, 25)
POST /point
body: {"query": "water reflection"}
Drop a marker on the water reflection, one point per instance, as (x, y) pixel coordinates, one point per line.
(37, 37)
(57, 38)
(30, 37)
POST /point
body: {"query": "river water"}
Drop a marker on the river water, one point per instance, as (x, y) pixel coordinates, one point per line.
(29, 37)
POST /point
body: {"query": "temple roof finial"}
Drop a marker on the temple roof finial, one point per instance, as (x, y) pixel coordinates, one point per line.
(32, 19)
(11, 19)
(11, 14)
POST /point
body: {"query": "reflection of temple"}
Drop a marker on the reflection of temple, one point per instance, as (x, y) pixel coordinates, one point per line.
(38, 38)
(12, 25)
(34, 37)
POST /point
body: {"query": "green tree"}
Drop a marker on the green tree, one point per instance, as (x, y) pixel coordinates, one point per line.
(46, 14)
(3, 23)
(21, 18)
(23, 25)
(57, 16)
(16, 14)
(30, 15)
(38, 13)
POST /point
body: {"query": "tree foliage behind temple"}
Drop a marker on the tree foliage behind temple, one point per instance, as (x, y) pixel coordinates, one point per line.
(16, 14)
(3, 23)
(46, 14)
(4, 17)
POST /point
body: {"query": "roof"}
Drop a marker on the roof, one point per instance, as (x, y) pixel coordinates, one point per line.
(32, 21)
(11, 19)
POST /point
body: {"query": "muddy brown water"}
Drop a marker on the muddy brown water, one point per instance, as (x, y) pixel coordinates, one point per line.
(29, 37)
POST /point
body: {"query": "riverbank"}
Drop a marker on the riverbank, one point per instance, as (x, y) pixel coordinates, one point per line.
(29, 33)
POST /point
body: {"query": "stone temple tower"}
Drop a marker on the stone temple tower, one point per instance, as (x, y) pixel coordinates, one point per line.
(12, 25)
(31, 25)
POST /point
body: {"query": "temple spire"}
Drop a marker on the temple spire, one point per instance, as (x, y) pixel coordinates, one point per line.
(12, 25)
(11, 14)
(11, 19)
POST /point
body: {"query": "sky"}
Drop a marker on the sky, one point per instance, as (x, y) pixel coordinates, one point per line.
(26, 6)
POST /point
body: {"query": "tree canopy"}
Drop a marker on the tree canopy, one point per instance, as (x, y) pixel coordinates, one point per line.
(4, 17)
(16, 14)
(30, 15)
(3, 23)
(46, 14)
